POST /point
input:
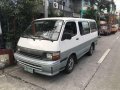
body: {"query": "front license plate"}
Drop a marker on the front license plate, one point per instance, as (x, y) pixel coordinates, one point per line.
(29, 69)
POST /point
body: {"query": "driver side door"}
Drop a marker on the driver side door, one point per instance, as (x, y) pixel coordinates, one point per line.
(67, 46)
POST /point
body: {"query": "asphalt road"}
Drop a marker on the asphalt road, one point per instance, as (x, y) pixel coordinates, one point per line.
(97, 72)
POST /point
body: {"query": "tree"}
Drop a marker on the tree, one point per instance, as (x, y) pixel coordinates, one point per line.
(7, 15)
(16, 15)
(90, 13)
(29, 9)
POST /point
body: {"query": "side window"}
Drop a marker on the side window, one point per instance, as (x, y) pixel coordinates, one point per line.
(70, 28)
(93, 26)
(84, 28)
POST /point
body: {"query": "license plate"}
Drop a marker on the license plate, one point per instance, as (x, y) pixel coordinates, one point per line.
(29, 69)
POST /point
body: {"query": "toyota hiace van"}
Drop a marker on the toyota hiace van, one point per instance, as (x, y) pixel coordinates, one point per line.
(50, 45)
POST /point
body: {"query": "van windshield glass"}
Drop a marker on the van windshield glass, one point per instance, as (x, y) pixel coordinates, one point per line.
(44, 29)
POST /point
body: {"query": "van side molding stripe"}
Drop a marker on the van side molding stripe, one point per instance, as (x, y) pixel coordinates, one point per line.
(63, 59)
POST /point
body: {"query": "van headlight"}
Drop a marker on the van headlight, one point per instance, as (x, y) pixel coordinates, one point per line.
(53, 56)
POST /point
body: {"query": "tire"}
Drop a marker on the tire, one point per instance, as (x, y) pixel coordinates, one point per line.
(114, 32)
(91, 50)
(70, 65)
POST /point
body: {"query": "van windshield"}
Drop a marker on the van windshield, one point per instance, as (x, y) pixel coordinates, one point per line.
(44, 29)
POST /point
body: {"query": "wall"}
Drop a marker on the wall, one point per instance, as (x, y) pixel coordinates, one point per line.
(77, 5)
(71, 6)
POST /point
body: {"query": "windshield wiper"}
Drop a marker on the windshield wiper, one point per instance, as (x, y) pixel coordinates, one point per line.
(28, 36)
(44, 38)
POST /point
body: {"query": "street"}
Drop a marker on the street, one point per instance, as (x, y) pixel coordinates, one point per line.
(97, 72)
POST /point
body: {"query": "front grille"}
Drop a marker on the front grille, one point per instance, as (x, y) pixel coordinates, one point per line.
(32, 55)
(29, 64)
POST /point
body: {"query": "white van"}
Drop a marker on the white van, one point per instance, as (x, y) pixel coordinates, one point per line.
(51, 45)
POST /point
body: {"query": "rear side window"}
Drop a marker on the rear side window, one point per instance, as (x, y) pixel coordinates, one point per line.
(93, 26)
(84, 28)
(71, 28)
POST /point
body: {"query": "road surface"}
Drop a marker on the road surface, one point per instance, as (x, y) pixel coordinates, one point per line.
(101, 71)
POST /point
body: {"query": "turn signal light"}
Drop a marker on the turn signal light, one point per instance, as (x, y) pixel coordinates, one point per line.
(54, 56)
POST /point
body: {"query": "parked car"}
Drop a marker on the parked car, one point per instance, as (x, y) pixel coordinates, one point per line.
(104, 28)
(50, 45)
(114, 28)
(119, 28)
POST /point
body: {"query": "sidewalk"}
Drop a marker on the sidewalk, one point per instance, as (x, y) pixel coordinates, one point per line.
(10, 83)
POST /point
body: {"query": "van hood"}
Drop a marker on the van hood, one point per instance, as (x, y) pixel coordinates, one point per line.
(37, 44)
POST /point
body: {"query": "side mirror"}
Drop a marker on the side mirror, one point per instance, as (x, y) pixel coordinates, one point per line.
(66, 36)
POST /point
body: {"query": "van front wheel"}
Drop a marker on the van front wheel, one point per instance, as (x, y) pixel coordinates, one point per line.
(70, 65)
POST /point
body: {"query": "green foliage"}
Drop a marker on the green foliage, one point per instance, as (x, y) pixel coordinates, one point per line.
(90, 13)
(16, 15)
(102, 5)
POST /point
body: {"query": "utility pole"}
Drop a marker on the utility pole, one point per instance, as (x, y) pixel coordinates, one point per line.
(0, 29)
(119, 19)
(1, 39)
(46, 4)
(63, 8)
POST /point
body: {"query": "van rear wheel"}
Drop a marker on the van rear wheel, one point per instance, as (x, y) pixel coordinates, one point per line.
(70, 65)
(91, 50)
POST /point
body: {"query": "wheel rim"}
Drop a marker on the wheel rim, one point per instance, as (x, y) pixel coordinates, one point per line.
(71, 64)
(91, 50)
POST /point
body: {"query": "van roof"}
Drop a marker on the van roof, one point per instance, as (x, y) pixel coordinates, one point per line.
(65, 19)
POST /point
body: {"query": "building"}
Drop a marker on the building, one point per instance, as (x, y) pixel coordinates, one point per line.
(68, 7)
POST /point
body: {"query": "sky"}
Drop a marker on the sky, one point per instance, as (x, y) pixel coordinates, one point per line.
(117, 2)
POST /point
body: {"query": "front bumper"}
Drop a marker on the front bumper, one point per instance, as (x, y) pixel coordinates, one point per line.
(49, 68)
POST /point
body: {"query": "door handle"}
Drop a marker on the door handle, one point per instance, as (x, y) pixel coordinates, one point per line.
(77, 38)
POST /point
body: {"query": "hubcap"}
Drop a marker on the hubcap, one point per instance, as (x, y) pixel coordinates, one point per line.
(91, 49)
(71, 64)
